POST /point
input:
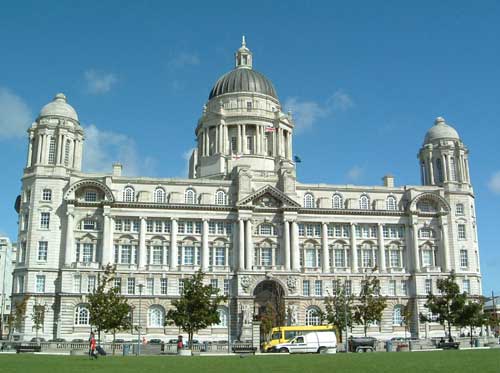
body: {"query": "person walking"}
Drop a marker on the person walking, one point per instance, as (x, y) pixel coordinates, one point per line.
(180, 344)
(92, 346)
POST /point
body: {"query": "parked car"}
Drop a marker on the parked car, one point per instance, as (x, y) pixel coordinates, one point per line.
(37, 340)
(78, 340)
(172, 341)
(155, 341)
(319, 342)
(362, 344)
(119, 340)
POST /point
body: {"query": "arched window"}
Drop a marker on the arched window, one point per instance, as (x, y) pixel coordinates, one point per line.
(82, 315)
(397, 315)
(312, 316)
(156, 317)
(337, 201)
(308, 201)
(220, 198)
(222, 318)
(391, 203)
(128, 194)
(190, 197)
(364, 202)
(439, 168)
(66, 152)
(159, 196)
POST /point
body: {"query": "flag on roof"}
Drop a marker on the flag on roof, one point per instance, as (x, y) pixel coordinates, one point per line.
(270, 129)
(236, 156)
(297, 159)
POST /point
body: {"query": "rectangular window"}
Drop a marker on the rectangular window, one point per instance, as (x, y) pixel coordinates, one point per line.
(91, 284)
(149, 226)
(428, 285)
(234, 145)
(466, 286)
(214, 283)
(461, 232)
(459, 209)
(464, 260)
(250, 144)
(427, 258)
(318, 288)
(118, 284)
(89, 225)
(330, 230)
(126, 251)
(197, 227)
(301, 230)
(395, 259)
(44, 220)
(40, 283)
(77, 284)
(157, 255)
(188, 255)
(189, 227)
(126, 225)
(164, 286)
(339, 258)
(404, 287)
(309, 230)
(212, 227)
(348, 287)
(220, 256)
(166, 226)
(135, 225)
(310, 258)
(90, 196)
(306, 291)
(249, 105)
(266, 256)
(392, 287)
(226, 286)
(118, 225)
(47, 195)
(150, 285)
(52, 150)
(181, 228)
(88, 253)
(131, 285)
(181, 286)
(42, 250)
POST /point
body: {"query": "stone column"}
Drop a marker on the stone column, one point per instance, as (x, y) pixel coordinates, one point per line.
(431, 170)
(173, 245)
(249, 245)
(445, 245)
(286, 245)
(30, 150)
(142, 243)
(69, 253)
(244, 139)
(295, 254)
(325, 263)
(106, 249)
(381, 248)
(204, 247)
(416, 254)
(238, 140)
(241, 244)
(354, 250)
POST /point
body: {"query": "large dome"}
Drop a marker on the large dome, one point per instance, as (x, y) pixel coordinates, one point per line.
(59, 107)
(243, 80)
(441, 130)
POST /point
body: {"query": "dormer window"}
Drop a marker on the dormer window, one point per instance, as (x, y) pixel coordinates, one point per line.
(249, 105)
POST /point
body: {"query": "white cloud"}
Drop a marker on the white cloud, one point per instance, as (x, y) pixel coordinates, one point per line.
(15, 116)
(307, 113)
(102, 148)
(494, 183)
(184, 59)
(354, 173)
(99, 82)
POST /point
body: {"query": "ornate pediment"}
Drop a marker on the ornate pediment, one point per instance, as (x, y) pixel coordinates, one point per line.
(268, 197)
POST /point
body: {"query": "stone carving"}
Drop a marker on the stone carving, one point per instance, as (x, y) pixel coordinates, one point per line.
(291, 283)
(245, 283)
(293, 314)
(246, 314)
(267, 201)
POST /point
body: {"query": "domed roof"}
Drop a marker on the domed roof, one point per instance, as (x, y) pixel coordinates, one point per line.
(243, 80)
(59, 107)
(441, 130)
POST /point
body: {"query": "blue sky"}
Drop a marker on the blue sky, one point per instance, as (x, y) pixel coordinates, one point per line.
(364, 79)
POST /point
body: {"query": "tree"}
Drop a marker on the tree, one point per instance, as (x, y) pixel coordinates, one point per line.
(339, 310)
(371, 304)
(275, 312)
(20, 312)
(109, 310)
(197, 307)
(38, 317)
(447, 306)
(472, 316)
(406, 315)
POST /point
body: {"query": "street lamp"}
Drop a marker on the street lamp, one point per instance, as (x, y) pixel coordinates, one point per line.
(140, 286)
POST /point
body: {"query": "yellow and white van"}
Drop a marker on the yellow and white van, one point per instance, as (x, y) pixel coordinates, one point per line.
(283, 334)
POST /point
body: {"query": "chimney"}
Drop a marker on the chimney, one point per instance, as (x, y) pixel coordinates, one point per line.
(117, 169)
(388, 181)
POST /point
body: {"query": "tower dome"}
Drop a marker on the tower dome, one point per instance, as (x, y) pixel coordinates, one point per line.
(243, 78)
(59, 107)
(441, 130)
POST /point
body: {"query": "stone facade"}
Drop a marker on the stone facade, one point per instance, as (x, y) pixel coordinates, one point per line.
(7, 263)
(242, 217)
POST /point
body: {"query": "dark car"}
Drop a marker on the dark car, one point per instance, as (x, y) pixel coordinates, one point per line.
(155, 341)
(37, 340)
(58, 340)
(78, 340)
(119, 340)
(172, 341)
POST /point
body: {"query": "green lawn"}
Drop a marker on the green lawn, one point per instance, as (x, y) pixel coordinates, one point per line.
(480, 361)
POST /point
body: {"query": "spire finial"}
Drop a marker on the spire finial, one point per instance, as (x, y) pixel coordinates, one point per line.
(243, 42)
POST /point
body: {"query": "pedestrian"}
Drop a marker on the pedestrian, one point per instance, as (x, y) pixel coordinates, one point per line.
(92, 346)
(180, 345)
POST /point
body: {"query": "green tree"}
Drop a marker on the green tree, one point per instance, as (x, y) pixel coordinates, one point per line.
(38, 317)
(109, 310)
(20, 312)
(196, 309)
(406, 315)
(339, 310)
(472, 316)
(447, 306)
(371, 304)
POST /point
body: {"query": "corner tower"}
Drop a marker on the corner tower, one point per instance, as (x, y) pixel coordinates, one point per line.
(242, 125)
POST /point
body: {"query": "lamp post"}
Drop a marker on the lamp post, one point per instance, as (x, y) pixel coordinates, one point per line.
(140, 286)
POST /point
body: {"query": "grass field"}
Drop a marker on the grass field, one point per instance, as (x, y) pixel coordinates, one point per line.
(480, 361)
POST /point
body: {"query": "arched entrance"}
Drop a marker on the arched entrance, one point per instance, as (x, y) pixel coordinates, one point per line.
(270, 307)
